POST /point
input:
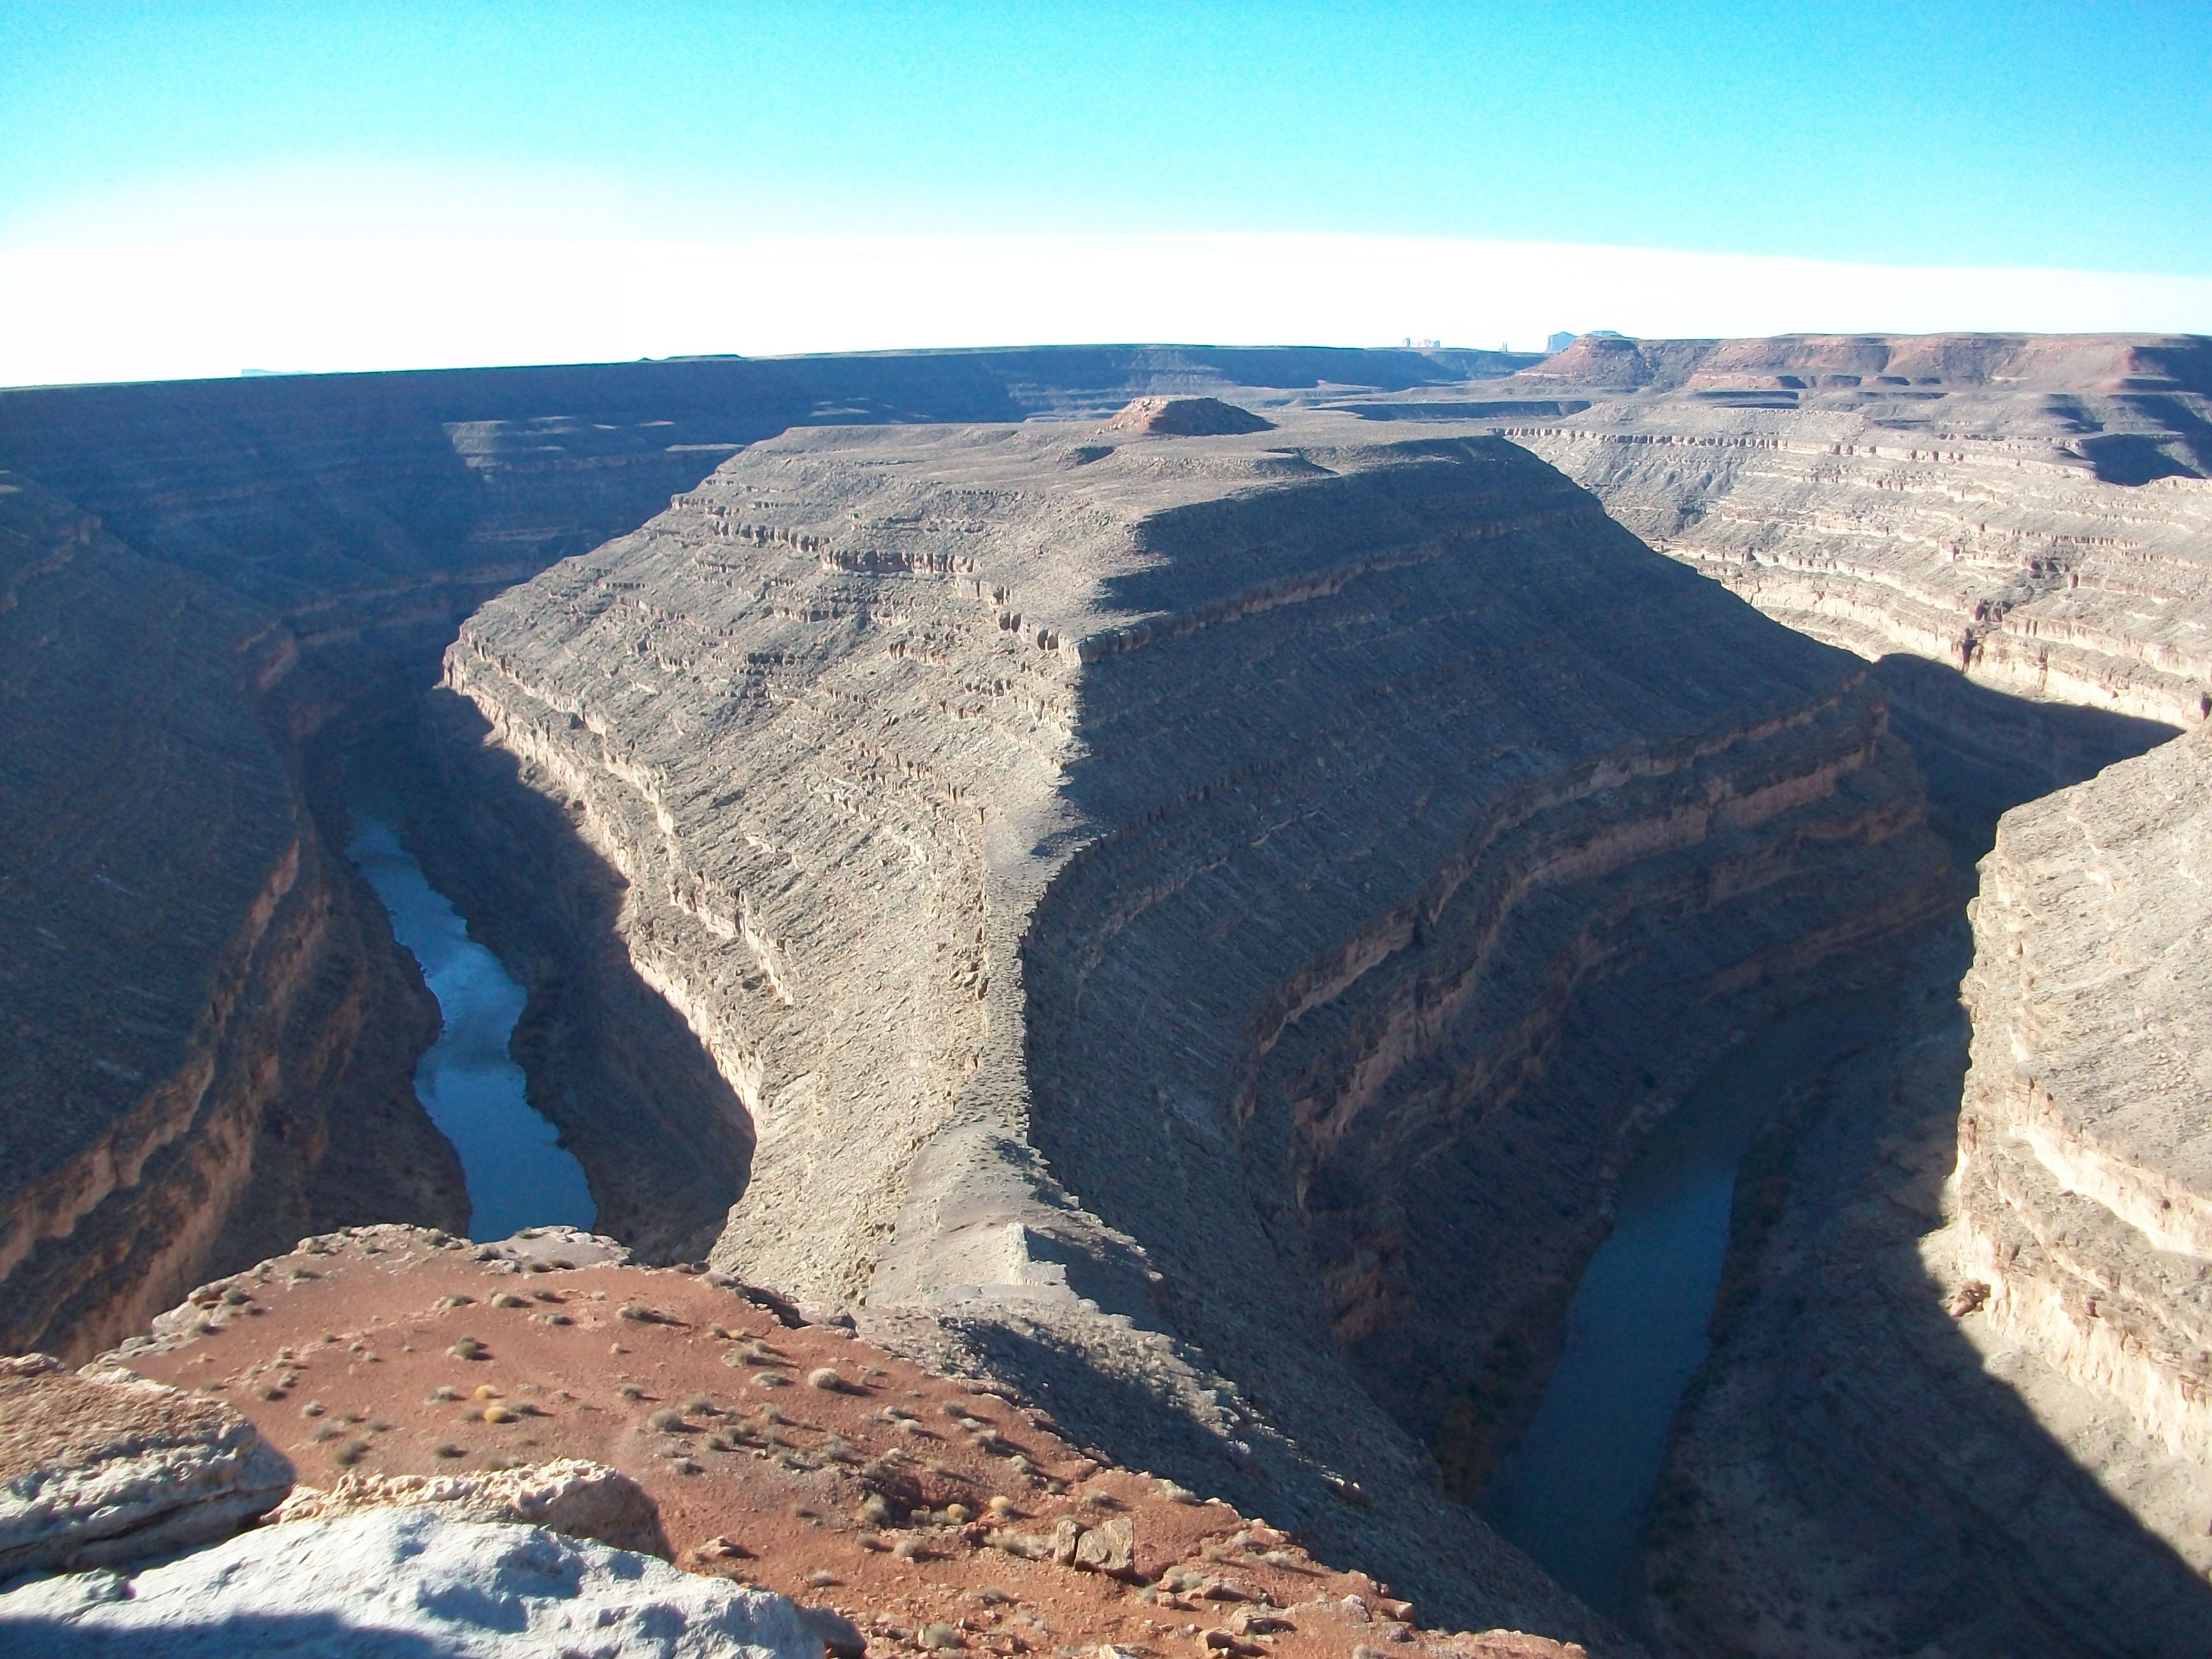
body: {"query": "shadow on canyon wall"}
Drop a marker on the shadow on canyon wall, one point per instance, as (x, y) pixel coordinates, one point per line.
(1901, 1498)
(664, 1140)
(1985, 753)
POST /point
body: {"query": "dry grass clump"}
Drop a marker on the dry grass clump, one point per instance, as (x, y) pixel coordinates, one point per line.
(467, 1348)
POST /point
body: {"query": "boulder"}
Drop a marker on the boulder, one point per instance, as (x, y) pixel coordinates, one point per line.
(567, 1495)
(99, 1467)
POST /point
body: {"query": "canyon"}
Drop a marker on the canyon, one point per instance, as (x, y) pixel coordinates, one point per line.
(1191, 912)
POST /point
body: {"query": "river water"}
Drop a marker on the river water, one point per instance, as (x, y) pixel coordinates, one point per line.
(1573, 1491)
(518, 1175)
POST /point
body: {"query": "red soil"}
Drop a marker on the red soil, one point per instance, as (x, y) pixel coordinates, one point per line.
(874, 1495)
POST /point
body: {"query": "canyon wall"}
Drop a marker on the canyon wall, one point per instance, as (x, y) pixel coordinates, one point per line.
(210, 1043)
(2085, 1175)
(1198, 923)
(2034, 511)
(214, 587)
(1964, 1411)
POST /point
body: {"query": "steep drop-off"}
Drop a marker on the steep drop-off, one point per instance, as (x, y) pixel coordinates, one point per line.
(2084, 1180)
(209, 1041)
(1958, 1412)
(1186, 908)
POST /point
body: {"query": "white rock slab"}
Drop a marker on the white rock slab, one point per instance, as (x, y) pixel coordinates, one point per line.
(403, 1584)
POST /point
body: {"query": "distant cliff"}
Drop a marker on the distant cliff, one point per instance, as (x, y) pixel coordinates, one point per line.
(211, 584)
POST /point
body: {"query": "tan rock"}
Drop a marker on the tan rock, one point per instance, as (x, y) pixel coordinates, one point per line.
(569, 1495)
(99, 1467)
(1109, 1548)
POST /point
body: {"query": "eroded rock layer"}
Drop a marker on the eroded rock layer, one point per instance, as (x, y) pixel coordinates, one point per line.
(2085, 1179)
(209, 1041)
(1179, 908)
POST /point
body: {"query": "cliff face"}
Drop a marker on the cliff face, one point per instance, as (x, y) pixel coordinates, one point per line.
(277, 563)
(209, 1041)
(1179, 906)
(2085, 1179)
(1964, 1412)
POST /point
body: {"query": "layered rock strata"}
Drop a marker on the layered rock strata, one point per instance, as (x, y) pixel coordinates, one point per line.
(1178, 909)
(2030, 514)
(1868, 1464)
(2085, 1178)
(210, 1035)
(2032, 510)
(101, 1466)
(212, 586)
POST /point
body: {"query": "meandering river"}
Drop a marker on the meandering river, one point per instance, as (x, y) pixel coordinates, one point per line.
(1573, 1491)
(518, 1174)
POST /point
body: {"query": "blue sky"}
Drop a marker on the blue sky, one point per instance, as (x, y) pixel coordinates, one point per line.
(310, 143)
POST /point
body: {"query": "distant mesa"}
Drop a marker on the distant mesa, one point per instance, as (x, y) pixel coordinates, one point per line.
(1555, 344)
(1188, 418)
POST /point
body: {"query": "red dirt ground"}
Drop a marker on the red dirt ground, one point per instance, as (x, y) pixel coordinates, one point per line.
(874, 1495)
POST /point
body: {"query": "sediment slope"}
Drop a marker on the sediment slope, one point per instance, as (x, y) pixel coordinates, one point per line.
(1186, 908)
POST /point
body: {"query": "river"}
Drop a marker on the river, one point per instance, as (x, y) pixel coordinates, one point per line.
(1573, 1491)
(518, 1174)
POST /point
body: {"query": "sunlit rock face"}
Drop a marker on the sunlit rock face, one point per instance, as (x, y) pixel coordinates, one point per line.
(2085, 1178)
(1221, 907)
(2034, 510)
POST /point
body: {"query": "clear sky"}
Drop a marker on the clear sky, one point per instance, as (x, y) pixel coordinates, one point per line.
(197, 188)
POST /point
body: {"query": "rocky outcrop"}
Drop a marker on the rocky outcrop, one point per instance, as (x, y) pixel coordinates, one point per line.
(569, 1495)
(98, 1468)
(914, 1511)
(394, 1583)
(1186, 417)
(1179, 909)
(2085, 1176)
